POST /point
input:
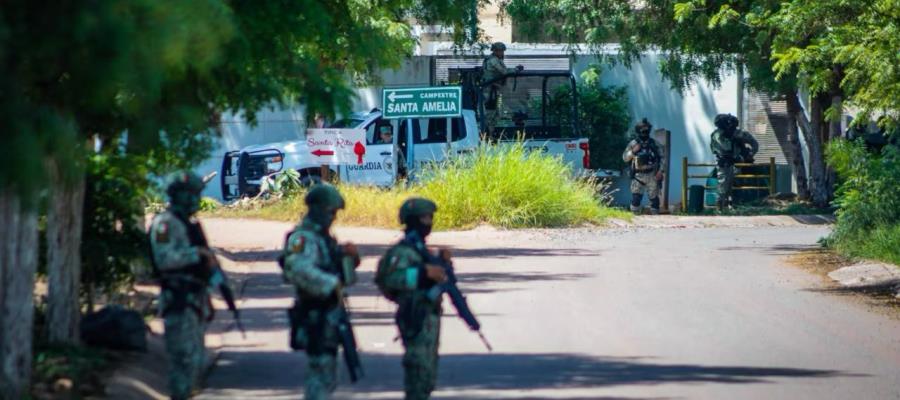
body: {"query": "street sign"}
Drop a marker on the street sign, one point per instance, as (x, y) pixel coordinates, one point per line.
(422, 102)
(336, 146)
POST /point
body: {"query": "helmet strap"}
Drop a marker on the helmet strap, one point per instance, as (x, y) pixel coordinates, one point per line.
(415, 224)
(321, 216)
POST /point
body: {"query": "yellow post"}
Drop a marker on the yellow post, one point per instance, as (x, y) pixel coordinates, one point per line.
(684, 183)
(771, 176)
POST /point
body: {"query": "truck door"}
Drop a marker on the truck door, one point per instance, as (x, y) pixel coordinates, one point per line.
(378, 163)
(433, 140)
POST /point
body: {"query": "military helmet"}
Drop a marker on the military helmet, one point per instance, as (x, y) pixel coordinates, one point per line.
(184, 181)
(325, 196)
(726, 121)
(416, 207)
(498, 46)
(643, 126)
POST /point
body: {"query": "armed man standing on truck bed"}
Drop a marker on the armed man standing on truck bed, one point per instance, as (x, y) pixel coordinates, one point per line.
(319, 268)
(187, 269)
(645, 161)
(494, 67)
(730, 145)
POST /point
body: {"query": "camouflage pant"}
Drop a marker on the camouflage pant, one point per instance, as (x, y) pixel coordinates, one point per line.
(184, 344)
(491, 116)
(645, 182)
(321, 377)
(420, 362)
(726, 181)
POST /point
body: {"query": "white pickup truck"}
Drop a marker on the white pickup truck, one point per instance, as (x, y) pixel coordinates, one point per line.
(433, 140)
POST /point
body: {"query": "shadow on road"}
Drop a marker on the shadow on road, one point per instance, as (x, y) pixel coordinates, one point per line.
(814, 219)
(254, 370)
(377, 250)
(269, 285)
(777, 250)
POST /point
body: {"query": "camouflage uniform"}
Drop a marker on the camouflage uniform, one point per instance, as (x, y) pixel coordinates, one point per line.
(401, 278)
(644, 166)
(314, 264)
(176, 242)
(494, 67)
(729, 150)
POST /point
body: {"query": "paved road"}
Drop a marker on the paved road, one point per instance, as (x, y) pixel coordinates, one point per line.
(625, 313)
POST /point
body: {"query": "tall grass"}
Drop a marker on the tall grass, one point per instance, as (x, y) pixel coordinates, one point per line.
(505, 186)
(868, 200)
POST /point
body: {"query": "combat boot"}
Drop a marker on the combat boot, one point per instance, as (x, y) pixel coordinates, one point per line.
(721, 204)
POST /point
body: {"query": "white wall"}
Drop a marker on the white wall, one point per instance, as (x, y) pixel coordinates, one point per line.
(689, 116)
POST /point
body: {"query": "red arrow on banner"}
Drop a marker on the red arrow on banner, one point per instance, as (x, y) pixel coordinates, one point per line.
(320, 153)
(360, 150)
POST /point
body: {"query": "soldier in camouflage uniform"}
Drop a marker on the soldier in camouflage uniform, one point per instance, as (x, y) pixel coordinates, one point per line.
(646, 167)
(494, 67)
(187, 269)
(730, 145)
(404, 277)
(318, 268)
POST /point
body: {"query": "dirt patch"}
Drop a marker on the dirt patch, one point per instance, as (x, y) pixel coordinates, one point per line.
(821, 262)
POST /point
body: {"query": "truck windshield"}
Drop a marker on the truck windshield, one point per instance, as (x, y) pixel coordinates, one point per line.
(345, 123)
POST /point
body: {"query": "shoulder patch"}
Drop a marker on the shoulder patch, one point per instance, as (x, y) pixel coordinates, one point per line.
(162, 232)
(298, 244)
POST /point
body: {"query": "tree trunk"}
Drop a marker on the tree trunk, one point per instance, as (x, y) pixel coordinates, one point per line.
(18, 263)
(64, 220)
(835, 132)
(798, 165)
(812, 133)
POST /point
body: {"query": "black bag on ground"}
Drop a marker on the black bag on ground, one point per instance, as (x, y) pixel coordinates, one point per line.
(116, 328)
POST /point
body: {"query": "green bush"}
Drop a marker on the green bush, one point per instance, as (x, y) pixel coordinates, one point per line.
(113, 231)
(209, 204)
(604, 117)
(868, 201)
(507, 186)
(84, 366)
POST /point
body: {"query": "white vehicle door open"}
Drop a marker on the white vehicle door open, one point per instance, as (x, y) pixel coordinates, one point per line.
(432, 144)
(378, 166)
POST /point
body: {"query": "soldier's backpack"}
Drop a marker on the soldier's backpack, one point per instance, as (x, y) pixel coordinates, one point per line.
(385, 268)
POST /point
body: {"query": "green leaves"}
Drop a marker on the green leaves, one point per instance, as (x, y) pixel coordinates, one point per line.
(725, 15)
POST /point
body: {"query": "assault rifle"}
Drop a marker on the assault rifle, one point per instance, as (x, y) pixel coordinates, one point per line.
(348, 342)
(456, 297)
(347, 273)
(228, 296)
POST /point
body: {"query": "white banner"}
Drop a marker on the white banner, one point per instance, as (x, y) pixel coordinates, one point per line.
(337, 146)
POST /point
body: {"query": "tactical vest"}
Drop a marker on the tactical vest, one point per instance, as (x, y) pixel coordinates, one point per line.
(647, 158)
(189, 281)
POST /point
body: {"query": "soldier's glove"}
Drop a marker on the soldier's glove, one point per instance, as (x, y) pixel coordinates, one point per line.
(520, 68)
(444, 254)
(350, 250)
(725, 161)
(435, 273)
